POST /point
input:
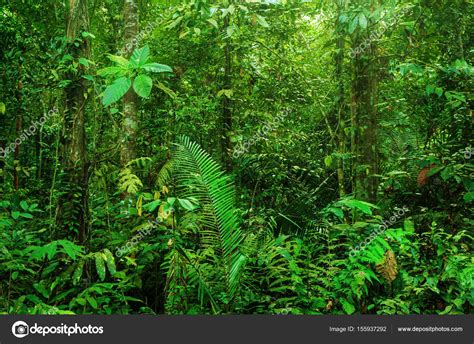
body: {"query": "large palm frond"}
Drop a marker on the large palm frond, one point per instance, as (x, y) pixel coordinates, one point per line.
(198, 175)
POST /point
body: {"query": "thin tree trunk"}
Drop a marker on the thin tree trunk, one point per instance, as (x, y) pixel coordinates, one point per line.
(18, 127)
(460, 33)
(340, 105)
(130, 122)
(226, 143)
(2, 159)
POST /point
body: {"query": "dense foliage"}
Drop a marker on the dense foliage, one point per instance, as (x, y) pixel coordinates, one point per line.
(216, 157)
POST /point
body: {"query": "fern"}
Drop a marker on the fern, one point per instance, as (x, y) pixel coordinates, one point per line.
(142, 162)
(198, 175)
(164, 177)
(129, 182)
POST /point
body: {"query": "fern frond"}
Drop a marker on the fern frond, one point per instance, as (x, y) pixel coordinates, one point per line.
(129, 182)
(142, 162)
(165, 175)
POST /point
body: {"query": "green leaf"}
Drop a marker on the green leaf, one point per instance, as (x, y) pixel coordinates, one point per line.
(230, 31)
(116, 91)
(109, 259)
(100, 266)
(262, 21)
(186, 204)
(166, 90)
(81, 301)
(3, 108)
(468, 197)
(91, 301)
(319, 302)
(429, 89)
(51, 249)
(121, 61)
(33, 207)
(157, 68)
(142, 85)
(343, 18)
(184, 34)
(112, 71)
(86, 34)
(338, 212)
(41, 289)
(175, 22)
(353, 25)
(447, 173)
(140, 56)
(435, 170)
(83, 61)
(328, 161)
(213, 22)
(362, 21)
(71, 249)
(229, 10)
(152, 205)
(76, 277)
(348, 307)
(24, 205)
(26, 215)
(15, 214)
(456, 95)
(409, 226)
(361, 205)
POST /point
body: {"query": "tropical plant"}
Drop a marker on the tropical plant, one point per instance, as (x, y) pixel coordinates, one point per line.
(199, 177)
(133, 71)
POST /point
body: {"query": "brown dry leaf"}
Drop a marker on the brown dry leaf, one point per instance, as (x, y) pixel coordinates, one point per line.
(329, 305)
(388, 268)
(423, 178)
(162, 213)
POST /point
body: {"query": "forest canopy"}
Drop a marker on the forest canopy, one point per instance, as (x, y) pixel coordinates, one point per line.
(236, 157)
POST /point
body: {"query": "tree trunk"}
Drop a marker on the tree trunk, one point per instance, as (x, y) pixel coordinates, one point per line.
(130, 120)
(226, 144)
(365, 123)
(340, 103)
(2, 160)
(18, 127)
(73, 206)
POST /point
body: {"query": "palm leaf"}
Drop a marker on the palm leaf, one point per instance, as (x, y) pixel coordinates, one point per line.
(198, 175)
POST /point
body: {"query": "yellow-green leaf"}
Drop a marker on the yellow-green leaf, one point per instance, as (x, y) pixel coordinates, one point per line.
(100, 266)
